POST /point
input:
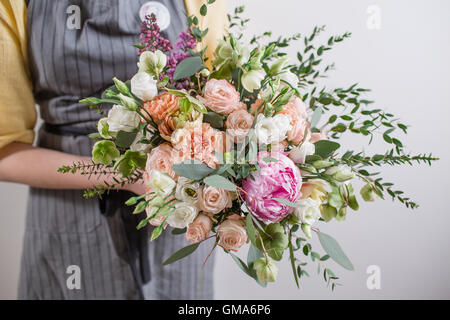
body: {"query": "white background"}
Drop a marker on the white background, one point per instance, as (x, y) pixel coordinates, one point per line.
(406, 63)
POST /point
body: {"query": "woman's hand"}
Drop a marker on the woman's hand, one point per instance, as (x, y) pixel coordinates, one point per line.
(138, 188)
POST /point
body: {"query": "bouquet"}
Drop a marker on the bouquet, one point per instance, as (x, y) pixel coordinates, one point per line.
(242, 147)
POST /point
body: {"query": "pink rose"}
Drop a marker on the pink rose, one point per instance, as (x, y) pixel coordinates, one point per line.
(281, 179)
(296, 109)
(221, 97)
(199, 229)
(213, 200)
(238, 124)
(232, 233)
(160, 158)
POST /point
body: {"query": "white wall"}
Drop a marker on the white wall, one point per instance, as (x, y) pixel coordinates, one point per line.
(406, 64)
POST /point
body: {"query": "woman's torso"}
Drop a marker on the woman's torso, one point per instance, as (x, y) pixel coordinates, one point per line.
(68, 64)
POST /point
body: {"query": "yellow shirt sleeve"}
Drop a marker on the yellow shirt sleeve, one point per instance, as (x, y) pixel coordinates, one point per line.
(216, 21)
(17, 107)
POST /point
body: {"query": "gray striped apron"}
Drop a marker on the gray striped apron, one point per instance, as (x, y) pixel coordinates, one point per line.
(67, 238)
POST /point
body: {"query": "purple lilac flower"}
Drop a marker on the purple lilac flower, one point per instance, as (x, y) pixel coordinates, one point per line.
(151, 40)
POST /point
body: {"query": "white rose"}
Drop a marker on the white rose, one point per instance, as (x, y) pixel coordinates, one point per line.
(139, 146)
(309, 212)
(187, 190)
(143, 86)
(290, 78)
(120, 118)
(299, 153)
(161, 183)
(273, 129)
(251, 80)
(152, 62)
(102, 127)
(182, 216)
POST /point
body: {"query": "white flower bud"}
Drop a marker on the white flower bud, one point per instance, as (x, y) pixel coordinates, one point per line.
(144, 86)
(251, 80)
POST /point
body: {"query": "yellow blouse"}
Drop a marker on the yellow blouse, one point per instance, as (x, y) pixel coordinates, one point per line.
(17, 107)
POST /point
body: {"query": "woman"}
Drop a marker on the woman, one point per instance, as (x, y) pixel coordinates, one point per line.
(46, 59)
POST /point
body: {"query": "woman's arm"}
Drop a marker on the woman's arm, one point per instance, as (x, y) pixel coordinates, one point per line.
(37, 167)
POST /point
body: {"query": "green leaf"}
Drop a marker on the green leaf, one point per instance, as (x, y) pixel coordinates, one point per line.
(251, 228)
(176, 231)
(325, 148)
(125, 139)
(203, 10)
(194, 170)
(292, 258)
(288, 203)
(130, 161)
(220, 182)
(214, 119)
(241, 264)
(188, 67)
(334, 250)
(180, 254)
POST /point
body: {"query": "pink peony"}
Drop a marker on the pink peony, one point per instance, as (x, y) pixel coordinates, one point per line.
(281, 179)
(221, 97)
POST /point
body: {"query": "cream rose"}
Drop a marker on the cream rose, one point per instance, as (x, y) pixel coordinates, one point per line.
(232, 233)
(213, 200)
(199, 229)
(183, 214)
(238, 124)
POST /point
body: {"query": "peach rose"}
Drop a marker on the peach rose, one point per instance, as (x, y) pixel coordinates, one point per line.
(221, 97)
(238, 124)
(317, 136)
(213, 200)
(160, 158)
(232, 233)
(256, 106)
(296, 109)
(161, 106)
(198, 142)
(166, 127)
(158, 221)
(199, 229)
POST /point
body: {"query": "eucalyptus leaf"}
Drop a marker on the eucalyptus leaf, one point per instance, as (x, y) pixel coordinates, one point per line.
(194, 170)
(180, 254)
(316, 117)
(188, 67)
(334, 250)
(325, 148)
(220, 182)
